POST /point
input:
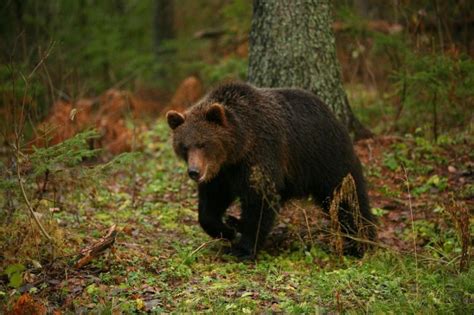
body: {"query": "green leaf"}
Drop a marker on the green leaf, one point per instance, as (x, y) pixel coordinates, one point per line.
(15, 280)
(92, 289)
(14, 274)
(14, 268)
(378, 212)
(391, 162)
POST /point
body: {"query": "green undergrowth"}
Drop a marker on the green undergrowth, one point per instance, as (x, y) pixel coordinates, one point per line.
(164, 262)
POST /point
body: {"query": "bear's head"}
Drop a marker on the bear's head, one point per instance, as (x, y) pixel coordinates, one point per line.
(202, 138)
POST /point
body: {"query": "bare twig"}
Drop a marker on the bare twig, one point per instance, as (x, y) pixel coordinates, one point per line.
(18, 131)
(45, 56)
(435, 117)
(412, 226)
(204, 245)
(255, 246)
(25, 197)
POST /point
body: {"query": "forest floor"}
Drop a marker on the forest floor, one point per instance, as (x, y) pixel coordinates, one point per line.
(163, 262)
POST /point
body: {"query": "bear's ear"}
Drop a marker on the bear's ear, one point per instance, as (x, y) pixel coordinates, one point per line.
(216, 114)
(174, 119)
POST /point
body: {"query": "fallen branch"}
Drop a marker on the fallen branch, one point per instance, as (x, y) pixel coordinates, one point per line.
(98, 248)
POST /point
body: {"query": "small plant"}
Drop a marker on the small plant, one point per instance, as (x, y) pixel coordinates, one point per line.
(14, 273)
(346, 194)
(434, 183)
(436, 89)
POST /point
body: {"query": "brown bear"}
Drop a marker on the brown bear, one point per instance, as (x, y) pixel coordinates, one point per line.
(265, 146)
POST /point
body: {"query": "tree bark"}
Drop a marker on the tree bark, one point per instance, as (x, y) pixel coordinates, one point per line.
(292, 45)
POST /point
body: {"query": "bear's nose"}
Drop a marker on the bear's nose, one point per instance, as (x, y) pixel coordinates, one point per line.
(193, 173)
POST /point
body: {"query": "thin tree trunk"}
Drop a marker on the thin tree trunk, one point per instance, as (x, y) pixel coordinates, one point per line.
(292, 45)
(163, 22)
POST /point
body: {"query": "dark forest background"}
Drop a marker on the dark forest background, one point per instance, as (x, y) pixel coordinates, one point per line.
(401, 52)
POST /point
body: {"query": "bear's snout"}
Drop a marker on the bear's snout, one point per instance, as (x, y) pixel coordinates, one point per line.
(196, 165)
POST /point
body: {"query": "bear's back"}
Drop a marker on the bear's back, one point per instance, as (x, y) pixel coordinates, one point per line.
(319, 144)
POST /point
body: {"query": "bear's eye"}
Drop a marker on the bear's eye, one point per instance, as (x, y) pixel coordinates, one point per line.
(183, 148)
(200, 145)
(183, 151)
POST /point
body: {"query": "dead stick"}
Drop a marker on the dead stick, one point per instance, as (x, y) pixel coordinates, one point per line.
(98, 248)
(25, 197)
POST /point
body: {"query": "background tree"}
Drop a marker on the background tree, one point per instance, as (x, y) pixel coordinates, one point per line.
(292, 45)
(164, 32)
(163, 22)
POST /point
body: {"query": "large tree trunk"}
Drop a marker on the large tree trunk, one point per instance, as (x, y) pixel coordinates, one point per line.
(292, 45)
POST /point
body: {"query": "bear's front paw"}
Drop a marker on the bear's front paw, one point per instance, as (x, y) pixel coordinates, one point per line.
(242, 253)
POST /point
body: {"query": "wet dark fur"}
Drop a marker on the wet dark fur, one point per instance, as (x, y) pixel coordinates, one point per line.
(293, 138)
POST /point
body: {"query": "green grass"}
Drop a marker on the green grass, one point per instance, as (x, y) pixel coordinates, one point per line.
(164, 262)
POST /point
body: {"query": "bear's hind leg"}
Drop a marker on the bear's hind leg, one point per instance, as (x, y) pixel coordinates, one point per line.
(349, 231)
